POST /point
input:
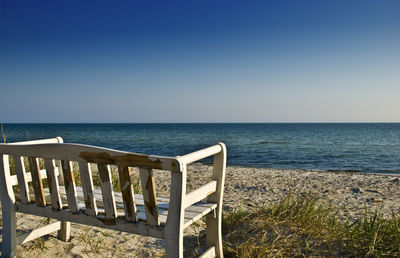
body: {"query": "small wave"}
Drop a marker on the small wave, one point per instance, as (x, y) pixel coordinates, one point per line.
(345, 170)
(271, 142)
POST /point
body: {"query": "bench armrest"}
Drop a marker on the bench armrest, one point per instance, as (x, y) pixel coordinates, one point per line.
(200, 193)
(201, 154)
(213, 189)
(42, 141)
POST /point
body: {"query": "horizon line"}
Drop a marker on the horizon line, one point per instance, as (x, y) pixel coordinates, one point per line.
(279, 122)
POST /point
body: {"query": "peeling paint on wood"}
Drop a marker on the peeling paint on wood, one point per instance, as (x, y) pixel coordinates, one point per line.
(37, 182)
(53, 184)
(127, 193)
(87, 186)
(22, 180)
(149, 196)
(121, 160)
(107, 221)
(107, 191)
(69, 185)
(169, 224)
(152, 203)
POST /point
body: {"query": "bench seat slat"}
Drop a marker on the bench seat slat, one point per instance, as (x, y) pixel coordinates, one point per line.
(28, 176)
(192, 213)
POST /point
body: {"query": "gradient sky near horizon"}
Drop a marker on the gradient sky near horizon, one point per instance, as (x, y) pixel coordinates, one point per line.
(200, 61)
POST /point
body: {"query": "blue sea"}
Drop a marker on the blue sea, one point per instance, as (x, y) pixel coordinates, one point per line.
(362, 147)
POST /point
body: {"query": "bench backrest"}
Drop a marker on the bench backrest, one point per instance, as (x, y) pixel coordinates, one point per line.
(57, 157)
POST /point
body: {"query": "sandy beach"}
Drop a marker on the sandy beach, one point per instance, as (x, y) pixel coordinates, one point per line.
(245, 188)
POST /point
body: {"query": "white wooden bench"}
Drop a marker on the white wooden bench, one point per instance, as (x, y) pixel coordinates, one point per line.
(126, 211)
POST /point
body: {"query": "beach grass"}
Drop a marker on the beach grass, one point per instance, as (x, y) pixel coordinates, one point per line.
(135, 179)
(3, 134)
(299, 226)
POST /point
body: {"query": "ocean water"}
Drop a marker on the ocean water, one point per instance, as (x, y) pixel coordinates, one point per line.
(364, 147)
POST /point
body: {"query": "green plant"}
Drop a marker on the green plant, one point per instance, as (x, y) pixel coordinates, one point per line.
(92, 244)
(374, 234)
(299, 225)
(114, 177)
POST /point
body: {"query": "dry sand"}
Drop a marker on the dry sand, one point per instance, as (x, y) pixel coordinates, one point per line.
(245, 188)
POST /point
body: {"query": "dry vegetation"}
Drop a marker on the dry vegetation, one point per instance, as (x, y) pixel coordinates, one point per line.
(299, 226)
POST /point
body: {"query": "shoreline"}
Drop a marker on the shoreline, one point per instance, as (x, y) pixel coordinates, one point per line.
(309, 169)
(350, 192)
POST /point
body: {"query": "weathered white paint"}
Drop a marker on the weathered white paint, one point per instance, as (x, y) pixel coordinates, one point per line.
(201, 154)
(149, 196)
(107, 191)
(175, 222)
(214, 223)
(91, 154)
(36, 233)
(209, 253)
(37, 182)
(22, 180)
(98, 221)
(87, 186)
(200, 193)
(64, 233)
(8, 209)
(70, 187)
(127, 192)
(153, 216)
(42, 141)
(52, 179)
(192, 213)
(28, 177)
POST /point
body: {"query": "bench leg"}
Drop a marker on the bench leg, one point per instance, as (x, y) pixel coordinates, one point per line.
(214, 231)
(174, 244)
(9, 231)
(64, 233)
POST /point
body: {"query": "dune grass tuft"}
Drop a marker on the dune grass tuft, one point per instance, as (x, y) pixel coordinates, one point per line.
(300, 226)
(3, 134)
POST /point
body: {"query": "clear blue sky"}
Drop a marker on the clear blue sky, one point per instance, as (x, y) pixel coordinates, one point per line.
(199, 61)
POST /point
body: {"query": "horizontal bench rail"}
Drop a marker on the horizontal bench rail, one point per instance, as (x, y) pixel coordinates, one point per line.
(201, 154)
(200, 193)
(42, 141)
(90, 154)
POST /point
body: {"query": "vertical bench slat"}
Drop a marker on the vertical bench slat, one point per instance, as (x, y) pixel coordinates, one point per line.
(107, 191)
(21, 176)
(37, 182)
(9, 241)
(128, 194)
(70, 188)
(60, 174)
(149, 196)
(87, 186)
(54, 187)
